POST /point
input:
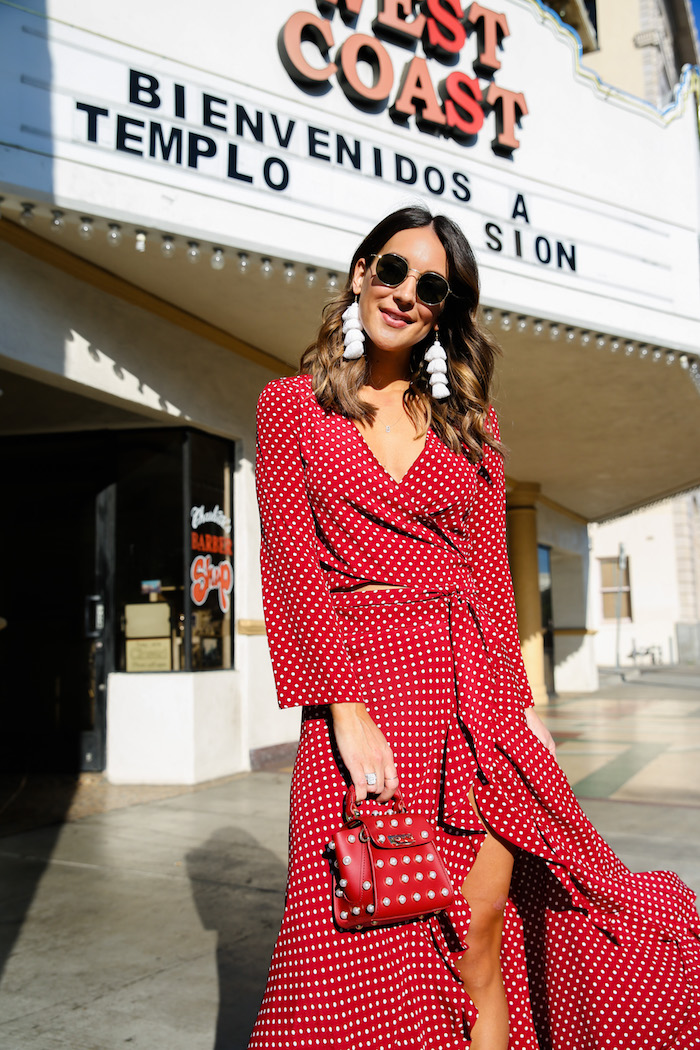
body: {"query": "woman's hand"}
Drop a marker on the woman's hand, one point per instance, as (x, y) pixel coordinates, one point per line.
(540, 730)
(364, 749)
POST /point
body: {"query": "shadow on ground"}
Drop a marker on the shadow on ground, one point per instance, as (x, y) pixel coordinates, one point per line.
(28, 801)
(238, 889)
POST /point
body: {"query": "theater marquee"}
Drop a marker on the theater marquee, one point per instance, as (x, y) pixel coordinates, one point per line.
(289, 130)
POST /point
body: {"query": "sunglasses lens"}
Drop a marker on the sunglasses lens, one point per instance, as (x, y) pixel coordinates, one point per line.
(391, 270)
(432, 288)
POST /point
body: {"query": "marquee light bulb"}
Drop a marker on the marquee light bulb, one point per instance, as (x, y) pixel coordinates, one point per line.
(27, 216)
(629, 349)
(266, 267)
(600, 342)
(538, 327)
(243, 262)
(506, 322)
(311, 278)
(656, 355)
(554, 331)
(114, 235)
(193, 253)
(58, 222)
(695, 374)
(289, 272)
(614, 345)
(488, 316)
(332, 282)
(670, 357)
(85, 228)
(522, 324)
(585, 338)
(218, 260)
(570, 335)
(167, 247)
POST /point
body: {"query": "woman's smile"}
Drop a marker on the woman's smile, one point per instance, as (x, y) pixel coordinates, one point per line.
(394, 318)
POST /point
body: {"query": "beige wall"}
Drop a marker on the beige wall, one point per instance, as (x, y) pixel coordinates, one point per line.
(636, 49)
(617, 61)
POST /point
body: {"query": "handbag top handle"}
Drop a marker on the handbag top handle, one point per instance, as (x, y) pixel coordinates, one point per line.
(351, 812)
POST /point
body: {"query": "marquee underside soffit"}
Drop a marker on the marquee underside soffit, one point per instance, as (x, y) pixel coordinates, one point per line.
(28, 406)
(574, 13)
(602, 424)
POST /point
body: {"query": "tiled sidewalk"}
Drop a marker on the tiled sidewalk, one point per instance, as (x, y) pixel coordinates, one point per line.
(632, 755)
(638, 743)
(148, 921)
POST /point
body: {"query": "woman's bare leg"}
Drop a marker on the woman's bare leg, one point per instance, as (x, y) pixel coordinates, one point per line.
(486, 889)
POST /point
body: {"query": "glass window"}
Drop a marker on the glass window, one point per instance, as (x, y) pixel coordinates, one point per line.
(210, 525)
(615, 586)
(174, 551)
(149, 565)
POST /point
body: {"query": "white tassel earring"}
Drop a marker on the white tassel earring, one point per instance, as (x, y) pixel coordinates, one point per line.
(353, 336)
(436, 361)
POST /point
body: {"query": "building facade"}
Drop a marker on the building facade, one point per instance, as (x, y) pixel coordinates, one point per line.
(180, 197)
(645, 585)
(642, 45)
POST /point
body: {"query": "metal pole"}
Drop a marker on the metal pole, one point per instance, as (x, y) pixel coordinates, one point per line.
(621, 564)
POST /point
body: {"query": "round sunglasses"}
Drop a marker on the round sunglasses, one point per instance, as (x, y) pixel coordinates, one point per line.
(392, 269)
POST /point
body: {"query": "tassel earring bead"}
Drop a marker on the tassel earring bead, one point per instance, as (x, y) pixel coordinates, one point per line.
(353, 336)
(436, 360)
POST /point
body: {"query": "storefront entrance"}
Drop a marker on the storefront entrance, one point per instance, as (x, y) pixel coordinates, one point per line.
(115, 554)
(55, 596)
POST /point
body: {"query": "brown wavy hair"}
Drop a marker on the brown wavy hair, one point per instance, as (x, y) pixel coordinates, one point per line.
(460, 421)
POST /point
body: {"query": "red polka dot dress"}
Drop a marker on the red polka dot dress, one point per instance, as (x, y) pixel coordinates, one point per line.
(593, 955)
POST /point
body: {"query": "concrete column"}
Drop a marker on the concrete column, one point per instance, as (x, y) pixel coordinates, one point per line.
(522, 550)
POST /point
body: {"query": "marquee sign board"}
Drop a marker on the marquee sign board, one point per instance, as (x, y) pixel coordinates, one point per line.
(301, 128)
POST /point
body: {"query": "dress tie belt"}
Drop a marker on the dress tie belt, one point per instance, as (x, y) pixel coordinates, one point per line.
(458, 602)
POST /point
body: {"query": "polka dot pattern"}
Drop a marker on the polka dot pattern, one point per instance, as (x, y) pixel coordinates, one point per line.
(593, 955)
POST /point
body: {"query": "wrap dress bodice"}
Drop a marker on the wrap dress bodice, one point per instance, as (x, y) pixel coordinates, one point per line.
(350, 524)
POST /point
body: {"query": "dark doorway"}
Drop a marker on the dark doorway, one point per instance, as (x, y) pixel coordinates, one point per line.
(56, 535)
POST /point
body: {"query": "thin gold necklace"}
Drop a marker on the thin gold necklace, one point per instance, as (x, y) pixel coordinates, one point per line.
(388, 426)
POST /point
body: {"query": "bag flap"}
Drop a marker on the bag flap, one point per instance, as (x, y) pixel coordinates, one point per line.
(399, 829)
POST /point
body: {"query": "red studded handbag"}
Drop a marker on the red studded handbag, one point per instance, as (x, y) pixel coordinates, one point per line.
(386, 867)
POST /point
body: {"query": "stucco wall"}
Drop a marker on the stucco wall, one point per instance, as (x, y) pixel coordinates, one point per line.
(648, 539)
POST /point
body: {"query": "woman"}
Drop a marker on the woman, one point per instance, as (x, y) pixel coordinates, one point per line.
(390, 617)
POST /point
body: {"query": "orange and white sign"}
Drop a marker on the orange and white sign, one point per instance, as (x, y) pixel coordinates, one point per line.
(207, 577)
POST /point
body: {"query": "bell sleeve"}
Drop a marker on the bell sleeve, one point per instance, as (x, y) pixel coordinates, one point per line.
(310, 660)
(488, 556)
